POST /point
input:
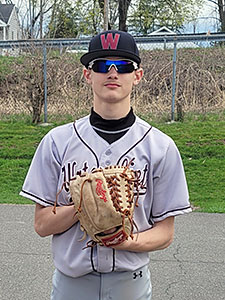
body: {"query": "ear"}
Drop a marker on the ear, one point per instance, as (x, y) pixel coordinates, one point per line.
(87, 75)
(138, 76)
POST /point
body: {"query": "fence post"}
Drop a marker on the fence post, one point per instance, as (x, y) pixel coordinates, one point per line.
(45, 81)
(164, 44)
(60, 49)
(174, 80)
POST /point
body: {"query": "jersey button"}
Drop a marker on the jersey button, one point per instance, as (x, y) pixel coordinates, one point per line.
(108, 163)
(108, 152)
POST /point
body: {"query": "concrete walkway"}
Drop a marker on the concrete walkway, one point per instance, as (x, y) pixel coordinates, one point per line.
(192, 268)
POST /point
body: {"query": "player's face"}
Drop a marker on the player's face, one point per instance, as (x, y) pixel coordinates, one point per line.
(109, 84)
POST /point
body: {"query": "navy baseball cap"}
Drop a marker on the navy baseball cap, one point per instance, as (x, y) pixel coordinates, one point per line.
(111, 43)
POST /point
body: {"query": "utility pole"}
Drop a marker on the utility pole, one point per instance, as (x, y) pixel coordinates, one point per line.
(106, 14)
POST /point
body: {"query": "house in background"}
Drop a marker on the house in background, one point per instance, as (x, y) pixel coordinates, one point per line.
(163, 32)
(9, 23)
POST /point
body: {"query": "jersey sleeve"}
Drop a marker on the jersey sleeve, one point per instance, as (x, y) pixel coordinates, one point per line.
(170, 190)
(41, 182)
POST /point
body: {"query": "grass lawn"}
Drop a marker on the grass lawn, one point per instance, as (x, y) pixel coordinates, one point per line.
(201, 141)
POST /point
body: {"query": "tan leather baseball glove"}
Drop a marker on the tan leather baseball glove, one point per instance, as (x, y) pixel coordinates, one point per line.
(104, 203)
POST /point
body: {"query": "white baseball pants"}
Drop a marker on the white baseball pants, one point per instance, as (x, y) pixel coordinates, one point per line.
(103, 286)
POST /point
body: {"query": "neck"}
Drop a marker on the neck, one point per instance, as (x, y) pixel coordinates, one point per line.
(110, 111)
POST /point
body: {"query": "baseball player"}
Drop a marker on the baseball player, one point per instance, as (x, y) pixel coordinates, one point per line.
(110, 135)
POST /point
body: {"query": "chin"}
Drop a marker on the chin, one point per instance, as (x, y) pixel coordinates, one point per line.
(111, 98)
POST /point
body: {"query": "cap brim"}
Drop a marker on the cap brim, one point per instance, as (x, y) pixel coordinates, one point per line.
(88, 57)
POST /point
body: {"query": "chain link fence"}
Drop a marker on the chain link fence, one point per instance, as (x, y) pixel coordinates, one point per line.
(182, 73)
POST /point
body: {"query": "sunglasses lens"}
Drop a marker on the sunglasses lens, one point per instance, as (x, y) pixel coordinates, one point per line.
(122, 66)
(100, 66)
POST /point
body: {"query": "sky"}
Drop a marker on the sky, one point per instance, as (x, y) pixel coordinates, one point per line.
(206, 21)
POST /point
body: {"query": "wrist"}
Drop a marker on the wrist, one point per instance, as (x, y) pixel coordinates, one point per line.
(129, 244)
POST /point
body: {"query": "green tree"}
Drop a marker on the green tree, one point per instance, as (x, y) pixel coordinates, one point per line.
(64, 22)
(147, 15)
(123, 11)
(117, 10)
(72, 19)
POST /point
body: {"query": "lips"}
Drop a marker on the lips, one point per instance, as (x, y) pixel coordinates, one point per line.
(112, 84)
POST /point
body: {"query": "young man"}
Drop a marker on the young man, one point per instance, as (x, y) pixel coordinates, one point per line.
(111, 135)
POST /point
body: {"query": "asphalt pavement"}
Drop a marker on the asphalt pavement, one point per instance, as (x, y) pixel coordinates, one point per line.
(192, 268)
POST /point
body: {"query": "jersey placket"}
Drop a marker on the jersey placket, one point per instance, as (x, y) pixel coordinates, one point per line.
(105, 259)
(106, 158)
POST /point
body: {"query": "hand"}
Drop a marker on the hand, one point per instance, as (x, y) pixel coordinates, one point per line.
(110, 230)
(159, 237)
(126, 245)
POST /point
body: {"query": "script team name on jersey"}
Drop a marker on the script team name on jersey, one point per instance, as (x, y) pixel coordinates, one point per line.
(70, 171)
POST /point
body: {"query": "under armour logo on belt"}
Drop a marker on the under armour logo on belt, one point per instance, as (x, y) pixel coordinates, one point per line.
(135, 275)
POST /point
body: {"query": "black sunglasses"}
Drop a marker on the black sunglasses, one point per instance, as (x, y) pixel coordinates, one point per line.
(121, 66)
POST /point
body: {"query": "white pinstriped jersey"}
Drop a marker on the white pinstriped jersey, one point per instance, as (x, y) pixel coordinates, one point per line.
(74, 148)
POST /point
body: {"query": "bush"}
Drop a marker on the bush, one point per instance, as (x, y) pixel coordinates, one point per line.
(200, 83)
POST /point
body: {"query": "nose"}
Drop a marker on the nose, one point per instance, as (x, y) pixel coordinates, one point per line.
(112, 73)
